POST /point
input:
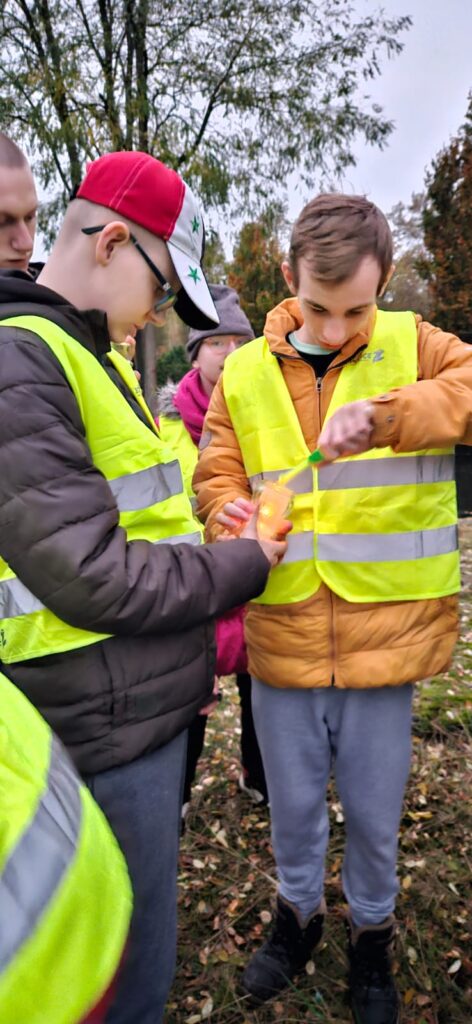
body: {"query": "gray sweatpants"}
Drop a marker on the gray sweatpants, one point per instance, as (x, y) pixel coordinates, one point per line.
(365, 735)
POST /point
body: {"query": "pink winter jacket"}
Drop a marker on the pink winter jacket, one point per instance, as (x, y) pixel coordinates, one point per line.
(187, 401)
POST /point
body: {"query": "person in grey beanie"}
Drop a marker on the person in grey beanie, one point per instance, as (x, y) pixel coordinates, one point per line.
(233, 320)
(181, 412)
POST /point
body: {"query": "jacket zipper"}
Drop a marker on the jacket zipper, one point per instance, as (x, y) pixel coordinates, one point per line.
(319, 383)
(332, 625)
(318, 386)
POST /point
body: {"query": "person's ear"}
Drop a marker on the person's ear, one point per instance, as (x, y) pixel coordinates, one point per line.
(288, 276)
(386, 282)
(111, 238)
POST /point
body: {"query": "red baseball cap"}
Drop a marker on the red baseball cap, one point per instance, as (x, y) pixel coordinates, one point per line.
(144, 190)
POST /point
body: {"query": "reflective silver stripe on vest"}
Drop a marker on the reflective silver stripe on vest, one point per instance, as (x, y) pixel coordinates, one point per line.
(372, 547)
(390, 472)
(301, 484)
(388, 547)
(16, 599)
(300, 547)
(42, 856)
(147, 487)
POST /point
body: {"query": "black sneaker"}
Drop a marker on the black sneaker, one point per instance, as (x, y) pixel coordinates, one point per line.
(373, 995)
(284, 954)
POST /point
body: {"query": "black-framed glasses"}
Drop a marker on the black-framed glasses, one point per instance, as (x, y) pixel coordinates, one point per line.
(170, 296)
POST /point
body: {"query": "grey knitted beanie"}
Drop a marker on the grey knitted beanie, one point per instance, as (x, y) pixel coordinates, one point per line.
(232, 319)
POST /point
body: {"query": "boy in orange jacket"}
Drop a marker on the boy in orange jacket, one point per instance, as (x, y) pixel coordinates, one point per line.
(364, 603)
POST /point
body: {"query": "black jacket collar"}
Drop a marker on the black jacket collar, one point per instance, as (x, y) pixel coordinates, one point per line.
(20, 295)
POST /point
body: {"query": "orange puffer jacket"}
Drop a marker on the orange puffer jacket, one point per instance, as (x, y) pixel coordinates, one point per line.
(325, 640)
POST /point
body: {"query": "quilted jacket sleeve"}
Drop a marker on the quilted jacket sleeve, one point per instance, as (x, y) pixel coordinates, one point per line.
(219, 475)
(437, 410)
(59, 528)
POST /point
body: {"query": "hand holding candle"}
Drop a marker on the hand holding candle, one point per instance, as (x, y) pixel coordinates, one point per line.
(242, 517)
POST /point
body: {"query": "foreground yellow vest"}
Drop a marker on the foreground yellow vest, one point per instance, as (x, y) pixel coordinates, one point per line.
(143, 474)
(65, 896)
(374, 527)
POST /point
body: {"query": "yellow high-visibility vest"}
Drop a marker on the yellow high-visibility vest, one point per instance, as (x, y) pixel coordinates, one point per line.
(65, 896)
(143, 474)
(380, 526)
(174, 433)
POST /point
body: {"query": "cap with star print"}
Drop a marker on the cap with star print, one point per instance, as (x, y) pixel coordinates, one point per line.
(144, 190)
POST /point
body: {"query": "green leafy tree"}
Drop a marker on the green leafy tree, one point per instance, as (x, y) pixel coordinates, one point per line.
(172, 365)
(255, 268)
(407, 289)
(214, 260)
(406, 222)
(447, 223)
(234, 97)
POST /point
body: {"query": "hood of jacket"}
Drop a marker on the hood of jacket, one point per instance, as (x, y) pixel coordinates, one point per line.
(165, 405)
(191, 403)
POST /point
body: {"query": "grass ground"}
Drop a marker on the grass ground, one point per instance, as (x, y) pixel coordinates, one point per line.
(227, 876)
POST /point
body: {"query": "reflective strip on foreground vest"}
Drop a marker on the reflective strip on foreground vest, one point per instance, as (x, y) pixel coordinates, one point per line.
(381, 526)
(65, 897)
(142, 472)
(35, 869)
(137, 491)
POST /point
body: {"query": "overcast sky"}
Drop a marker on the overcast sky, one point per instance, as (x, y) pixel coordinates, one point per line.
(424, 91)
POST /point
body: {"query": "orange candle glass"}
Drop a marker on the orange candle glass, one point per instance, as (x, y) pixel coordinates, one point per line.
(274, 502)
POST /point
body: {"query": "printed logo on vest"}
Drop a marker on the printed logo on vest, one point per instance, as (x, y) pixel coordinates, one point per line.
(374, 357)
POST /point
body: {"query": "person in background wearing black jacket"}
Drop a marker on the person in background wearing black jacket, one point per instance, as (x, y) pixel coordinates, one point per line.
(18, 207)
(107, 600)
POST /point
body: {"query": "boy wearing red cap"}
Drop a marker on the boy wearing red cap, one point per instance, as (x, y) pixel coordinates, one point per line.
(106, 596)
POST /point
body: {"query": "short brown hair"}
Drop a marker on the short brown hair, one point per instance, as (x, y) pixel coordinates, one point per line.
(335, 232)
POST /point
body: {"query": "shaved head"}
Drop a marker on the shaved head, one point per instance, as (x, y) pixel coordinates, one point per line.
(81, 213)
(11, 155)
(106, 271)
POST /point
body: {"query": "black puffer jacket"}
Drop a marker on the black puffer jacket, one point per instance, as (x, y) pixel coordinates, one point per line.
(125, 696)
